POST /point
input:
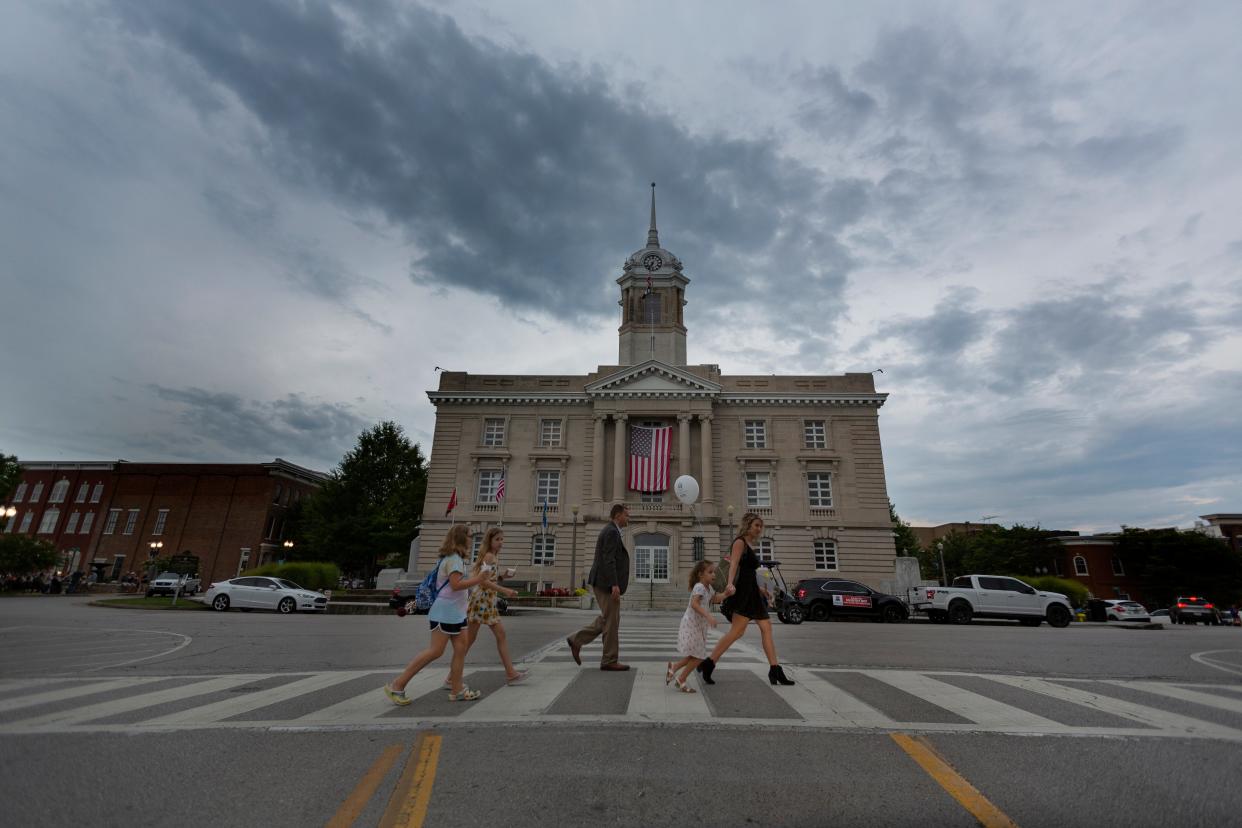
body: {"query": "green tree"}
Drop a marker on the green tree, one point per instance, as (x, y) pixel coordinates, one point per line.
(903, 536)
(22, 554)
(1017, 549)
(10, 473)
(1174, 562)
(371, 507)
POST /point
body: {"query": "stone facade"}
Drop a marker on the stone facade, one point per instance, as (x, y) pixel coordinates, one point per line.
(802, 451)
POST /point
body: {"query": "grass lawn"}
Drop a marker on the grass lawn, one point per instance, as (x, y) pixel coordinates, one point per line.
(160, 602)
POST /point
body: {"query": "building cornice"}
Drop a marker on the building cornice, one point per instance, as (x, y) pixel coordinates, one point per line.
(692, 386)
(509, 398)
(861, 400)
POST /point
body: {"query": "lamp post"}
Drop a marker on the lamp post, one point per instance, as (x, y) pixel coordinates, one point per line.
(153, 552)
(288, 545)
(944, 578)
(8, 512)
(573, 550)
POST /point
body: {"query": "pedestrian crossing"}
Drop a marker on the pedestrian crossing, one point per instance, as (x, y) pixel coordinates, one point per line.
(557, 692)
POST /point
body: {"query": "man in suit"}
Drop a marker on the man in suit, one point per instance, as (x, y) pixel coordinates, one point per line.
(609, 576)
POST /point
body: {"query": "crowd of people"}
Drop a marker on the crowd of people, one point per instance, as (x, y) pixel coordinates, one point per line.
(465, 601)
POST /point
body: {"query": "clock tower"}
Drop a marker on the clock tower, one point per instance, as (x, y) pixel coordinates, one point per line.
(652, 297)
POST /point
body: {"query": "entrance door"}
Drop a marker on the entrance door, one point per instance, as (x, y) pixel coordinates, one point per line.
(651, 559)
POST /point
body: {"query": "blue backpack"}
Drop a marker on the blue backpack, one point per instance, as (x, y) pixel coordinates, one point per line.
(426, 593)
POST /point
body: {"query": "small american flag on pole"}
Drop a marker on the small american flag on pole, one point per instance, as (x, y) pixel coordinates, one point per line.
(649, 454)
(500, 488)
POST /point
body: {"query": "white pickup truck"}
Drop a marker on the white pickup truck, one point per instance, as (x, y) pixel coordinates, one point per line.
(991, 596)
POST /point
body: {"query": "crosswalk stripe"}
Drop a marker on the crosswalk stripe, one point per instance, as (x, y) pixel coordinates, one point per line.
(525, 701)
(370, 705)
(824, 703)
(227, 708)
(1152, 717)
(138, 702)
(8, 705)
(971, 706)
(1183, 694)
(651, 699)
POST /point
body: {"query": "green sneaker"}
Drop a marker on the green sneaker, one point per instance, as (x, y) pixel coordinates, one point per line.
(397, 697)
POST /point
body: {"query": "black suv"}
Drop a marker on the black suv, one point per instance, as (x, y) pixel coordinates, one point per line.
(824, 599)
(1192, 610)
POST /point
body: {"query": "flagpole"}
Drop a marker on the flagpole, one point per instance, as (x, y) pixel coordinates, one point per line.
(504, 479)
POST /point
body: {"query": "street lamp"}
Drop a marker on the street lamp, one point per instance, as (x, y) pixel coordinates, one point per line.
(573, 550)
(944, 578)
(8, 512)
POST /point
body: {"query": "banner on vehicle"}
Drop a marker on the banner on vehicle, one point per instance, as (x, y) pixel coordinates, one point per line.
(863, 601)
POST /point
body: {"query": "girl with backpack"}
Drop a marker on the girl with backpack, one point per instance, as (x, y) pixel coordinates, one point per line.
(447, 618)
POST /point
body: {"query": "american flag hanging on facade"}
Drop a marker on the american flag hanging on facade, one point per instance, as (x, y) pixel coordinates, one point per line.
(649, 453)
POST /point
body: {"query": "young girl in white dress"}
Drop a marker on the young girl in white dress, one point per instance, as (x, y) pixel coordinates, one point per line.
(692, 636)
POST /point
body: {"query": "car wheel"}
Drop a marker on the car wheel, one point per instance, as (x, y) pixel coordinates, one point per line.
(1058, 616)
(819, 612)
(960, 613)
(794, 614)
(221, 603)
(286, 606)
(892, 614)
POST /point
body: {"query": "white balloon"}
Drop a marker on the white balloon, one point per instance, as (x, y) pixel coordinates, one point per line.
(686, 488)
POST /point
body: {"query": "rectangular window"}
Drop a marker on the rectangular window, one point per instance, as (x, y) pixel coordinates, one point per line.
(48, 524)
(130, 522)
(118, 564)
(87, 523)
(20, 494)
(826, 555)
(765, 551)
(758, 489)
(488, 480)
(756, 434)
(815, 435)
(12, 523)
(550, 433)
(1118, 568)
(475, 544)
(82, 491)
(97, 493)
(494, 431)
(26, 519)
(36, 493)
(547, 488)
(59, 492)
(819, 490)
(110, 525)
(161, 517)
(71, 525)
(651, 497)
(543, 550)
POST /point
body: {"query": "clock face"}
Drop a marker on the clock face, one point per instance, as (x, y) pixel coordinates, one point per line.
(652, 262)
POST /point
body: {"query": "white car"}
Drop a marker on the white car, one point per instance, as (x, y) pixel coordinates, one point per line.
(172, 583)
(261, 592)
(1161, 616)
(1127, 611)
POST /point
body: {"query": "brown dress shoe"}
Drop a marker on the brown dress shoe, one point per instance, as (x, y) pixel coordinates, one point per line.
(616, 666)
(575, 650)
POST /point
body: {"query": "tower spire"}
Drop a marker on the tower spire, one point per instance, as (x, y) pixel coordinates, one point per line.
(653, 235)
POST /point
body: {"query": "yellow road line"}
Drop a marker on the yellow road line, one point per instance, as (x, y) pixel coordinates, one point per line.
(966, 794)
(407, 807)
(361, 795)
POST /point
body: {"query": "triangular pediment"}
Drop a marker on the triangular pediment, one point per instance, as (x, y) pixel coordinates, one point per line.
(653, 378)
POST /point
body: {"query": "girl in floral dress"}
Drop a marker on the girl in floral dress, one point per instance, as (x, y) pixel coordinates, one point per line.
(483, 602)
(692, 636)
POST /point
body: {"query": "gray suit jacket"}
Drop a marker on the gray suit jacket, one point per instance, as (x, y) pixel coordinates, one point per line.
(612, 561)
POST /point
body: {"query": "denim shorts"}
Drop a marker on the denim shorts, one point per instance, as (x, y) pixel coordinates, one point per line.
(447, 628)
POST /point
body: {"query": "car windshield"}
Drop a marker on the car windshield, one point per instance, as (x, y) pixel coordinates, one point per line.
(168, 575)
(287, 584)
(1132, 604)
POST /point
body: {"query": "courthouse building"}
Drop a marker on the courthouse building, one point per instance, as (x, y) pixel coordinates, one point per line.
(802, 451)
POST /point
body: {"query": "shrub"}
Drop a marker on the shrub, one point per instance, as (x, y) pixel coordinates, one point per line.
(1076, 592)
(309, 574)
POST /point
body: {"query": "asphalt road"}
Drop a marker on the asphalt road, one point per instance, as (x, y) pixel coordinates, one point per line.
(125, 717)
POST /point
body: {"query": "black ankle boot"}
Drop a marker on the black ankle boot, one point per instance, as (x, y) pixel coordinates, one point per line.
(706, 667)
(777, 676)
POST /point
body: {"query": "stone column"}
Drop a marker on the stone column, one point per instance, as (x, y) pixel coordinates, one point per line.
(683, 444)
(618, 458)
(597, 461)
(705, 434)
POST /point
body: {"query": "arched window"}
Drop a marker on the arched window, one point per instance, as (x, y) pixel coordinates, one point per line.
(37, 493)
(1080, 565)
(60, 491)
(651, 309)
(20, 494)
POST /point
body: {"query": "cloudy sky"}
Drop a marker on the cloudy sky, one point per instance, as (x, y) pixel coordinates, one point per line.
(244, 229)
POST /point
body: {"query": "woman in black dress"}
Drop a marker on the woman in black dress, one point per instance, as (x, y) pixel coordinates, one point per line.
(748, 601)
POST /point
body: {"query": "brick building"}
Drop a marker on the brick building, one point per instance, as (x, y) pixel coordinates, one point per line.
(107, 515)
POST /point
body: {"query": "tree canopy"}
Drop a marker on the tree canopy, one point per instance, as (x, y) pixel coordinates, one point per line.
(21, 554)
(10, 473)
(1174, 562)
(903, 536)
(371, 507)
